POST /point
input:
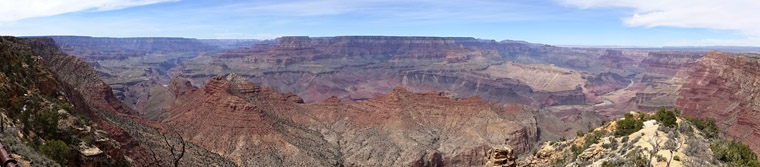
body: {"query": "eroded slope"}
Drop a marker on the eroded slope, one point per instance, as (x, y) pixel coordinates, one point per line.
(256, 125)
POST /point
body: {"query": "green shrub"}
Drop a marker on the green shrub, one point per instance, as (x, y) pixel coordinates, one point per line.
(579, 133)
(694, 148)
(676, 158)
(47, 124)
(666, 117)
(636, 140)
(636, 158)
(56, 150)
(734, 153)
(576, 150)
(607, 164)
(645, 117)
(558, 162)
(659, 157)
(685, 128)
(67, 107)
(613, 161)
(628, 125)
(592, 138)
(34, 143)
(612, 145)
(705, 125)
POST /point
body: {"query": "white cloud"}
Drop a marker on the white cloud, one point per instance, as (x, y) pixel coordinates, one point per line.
(13, 10)
(738, 15)
(416, 10)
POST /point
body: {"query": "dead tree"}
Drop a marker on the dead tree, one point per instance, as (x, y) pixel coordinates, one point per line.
(655, 142)
(176, 153)
(673, 144)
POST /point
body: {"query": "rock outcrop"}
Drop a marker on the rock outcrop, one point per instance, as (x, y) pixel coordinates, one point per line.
(653, 144)
(725, 86)
(501, 156)
(257, 126)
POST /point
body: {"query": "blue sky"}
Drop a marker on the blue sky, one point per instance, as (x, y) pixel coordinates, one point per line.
(556, 22)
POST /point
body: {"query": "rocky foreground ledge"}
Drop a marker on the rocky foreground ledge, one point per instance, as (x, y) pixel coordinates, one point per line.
(663, 139)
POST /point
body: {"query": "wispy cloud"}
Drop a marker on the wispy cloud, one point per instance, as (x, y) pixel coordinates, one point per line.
(738, 15)
(14, 10)
(396, 10)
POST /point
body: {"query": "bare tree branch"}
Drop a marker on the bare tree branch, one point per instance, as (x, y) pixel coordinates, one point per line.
(182, 153)
(155, 157)
(673, 144)
(655, 142)
(176, 154)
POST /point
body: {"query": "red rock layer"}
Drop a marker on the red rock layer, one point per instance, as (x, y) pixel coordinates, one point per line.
(258, 126)
(296, 49)
(726, 87)
(362, 67)
(668, 63)
(96, 48)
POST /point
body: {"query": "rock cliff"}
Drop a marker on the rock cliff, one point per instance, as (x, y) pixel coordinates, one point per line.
(724, 86)
(362, 67)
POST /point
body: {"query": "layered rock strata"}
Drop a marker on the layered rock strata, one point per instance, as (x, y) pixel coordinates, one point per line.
(258, 126)
(724, 86)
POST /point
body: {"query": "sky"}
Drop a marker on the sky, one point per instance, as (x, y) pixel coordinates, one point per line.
(554, 22)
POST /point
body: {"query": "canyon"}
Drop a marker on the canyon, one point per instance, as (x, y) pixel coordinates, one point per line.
(131, 66)
(374, 100)
(401, 128)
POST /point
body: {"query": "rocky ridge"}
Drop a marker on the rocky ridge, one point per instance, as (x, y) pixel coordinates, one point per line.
(41, 107)
(654, 143)
(52, 86)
